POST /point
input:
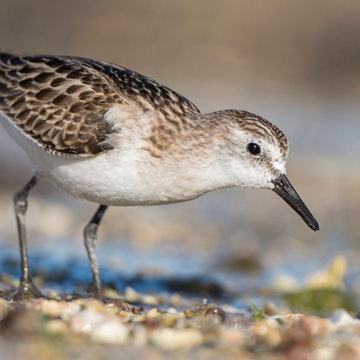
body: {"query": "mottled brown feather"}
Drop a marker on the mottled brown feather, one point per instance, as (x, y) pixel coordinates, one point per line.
(42, 92)
(251, 124)
(37, 94)
(60, 102)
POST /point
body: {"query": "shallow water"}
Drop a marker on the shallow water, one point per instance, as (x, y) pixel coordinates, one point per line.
(193, 275)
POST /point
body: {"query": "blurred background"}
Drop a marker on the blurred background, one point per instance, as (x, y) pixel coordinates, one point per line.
(293, 63)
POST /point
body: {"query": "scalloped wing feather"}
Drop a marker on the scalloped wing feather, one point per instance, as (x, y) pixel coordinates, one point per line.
(58, 102)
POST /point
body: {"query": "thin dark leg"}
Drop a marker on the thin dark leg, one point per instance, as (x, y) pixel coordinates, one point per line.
(90, 237)
(27, 288)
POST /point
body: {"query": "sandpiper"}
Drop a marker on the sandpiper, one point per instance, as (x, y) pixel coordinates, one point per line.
(110, 135)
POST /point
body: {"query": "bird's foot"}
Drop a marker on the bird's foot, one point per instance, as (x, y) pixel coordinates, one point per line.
(27, 291)
(123, 305)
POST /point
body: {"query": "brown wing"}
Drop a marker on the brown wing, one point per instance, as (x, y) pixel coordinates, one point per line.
(58, 102)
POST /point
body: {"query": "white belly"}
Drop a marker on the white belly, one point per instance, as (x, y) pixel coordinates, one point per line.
(118, 177)
(128, 175)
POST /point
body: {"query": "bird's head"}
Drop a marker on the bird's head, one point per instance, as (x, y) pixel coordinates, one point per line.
(254, 155)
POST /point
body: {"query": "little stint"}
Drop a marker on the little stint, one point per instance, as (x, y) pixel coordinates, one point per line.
(115, 137)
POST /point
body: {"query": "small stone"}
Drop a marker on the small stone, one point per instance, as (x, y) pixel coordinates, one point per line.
(231, 337)
(284, 283)
(131, 295)
(331, 277)
(153, 313)
(110, 332)
(71, 309)
(150, 300)
(52, 308)
(8, 280)
(172, 311)
(56, 326)
(175, 299)
(342, 318)
(269, 334)
(53, 295)
(86, 321)
(95, 305)
(112, 294)
(169, 320)
(172, 339)
(140, 337)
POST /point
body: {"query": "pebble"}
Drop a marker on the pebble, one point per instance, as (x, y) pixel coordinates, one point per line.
(131, 295)
(56, 326)
(110, 332)
(153, 313)
(341, 317)
(331, 277)
(173, 339)
(268, 333)
(87, 320)
(193, 329)
(53, 308)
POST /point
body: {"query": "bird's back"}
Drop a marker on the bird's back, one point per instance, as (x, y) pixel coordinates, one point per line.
(60, 102)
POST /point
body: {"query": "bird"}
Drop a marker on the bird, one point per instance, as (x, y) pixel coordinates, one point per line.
(112, 136)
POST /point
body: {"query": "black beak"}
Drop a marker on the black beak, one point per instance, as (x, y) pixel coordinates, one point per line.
(288, 193)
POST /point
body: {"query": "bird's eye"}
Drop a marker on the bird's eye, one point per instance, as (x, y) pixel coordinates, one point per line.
(253, 148)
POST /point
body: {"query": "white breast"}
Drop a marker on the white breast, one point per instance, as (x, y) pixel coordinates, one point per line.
(123, 176)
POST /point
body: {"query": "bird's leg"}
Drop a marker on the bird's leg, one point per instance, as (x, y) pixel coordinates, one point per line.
(27, 288)
(90, 237)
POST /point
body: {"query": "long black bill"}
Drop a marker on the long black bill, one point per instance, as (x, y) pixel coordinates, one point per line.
(284, 188)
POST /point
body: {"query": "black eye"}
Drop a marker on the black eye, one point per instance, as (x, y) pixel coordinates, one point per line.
(253, 148)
